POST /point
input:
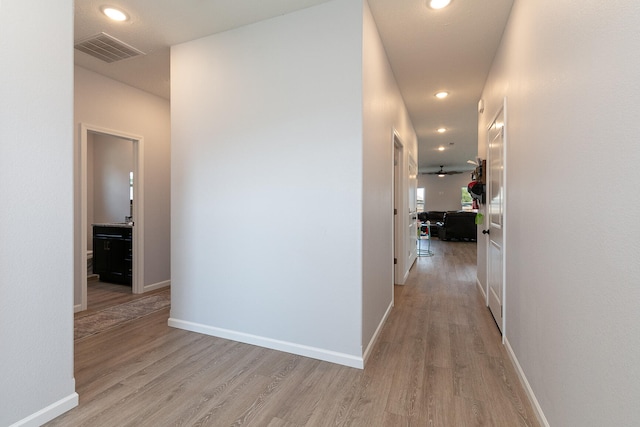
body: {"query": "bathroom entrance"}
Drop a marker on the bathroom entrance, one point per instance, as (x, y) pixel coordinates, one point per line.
(111, 208)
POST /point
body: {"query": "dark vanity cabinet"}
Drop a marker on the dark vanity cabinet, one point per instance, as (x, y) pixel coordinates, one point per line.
(112, 254)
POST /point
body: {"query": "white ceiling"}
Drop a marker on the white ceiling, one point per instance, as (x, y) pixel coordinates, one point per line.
(449, 49)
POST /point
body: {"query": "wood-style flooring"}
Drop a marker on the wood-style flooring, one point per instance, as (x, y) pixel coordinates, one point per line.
(439, 361)
(101, 295)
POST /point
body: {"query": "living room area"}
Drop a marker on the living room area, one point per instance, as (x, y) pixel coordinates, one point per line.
(445, 204)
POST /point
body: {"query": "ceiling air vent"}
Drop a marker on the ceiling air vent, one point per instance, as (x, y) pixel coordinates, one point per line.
(107, 48)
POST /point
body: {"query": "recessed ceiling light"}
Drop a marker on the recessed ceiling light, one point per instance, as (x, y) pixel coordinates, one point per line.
(442, 130)
(114, 14)
(441, 148)
(438, 4)
(442, 95)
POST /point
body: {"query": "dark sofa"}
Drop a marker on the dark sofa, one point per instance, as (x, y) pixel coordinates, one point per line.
(459, 225)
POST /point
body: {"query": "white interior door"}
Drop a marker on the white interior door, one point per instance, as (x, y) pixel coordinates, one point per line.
(495, 210)
(397, 271)
(413, 209)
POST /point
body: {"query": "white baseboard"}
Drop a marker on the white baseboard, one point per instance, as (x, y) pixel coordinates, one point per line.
(402, 281)
(484, 294)
(406, 275)
(77, 308)
(527, 387)
(288, 347)
(50, 412)
(374, 339)
(154, 286)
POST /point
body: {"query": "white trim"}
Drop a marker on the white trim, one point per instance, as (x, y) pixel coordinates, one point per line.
(83, 217)
(289, 347)
(527, 387)
(77, 308)
(505, 221)
(138, 216)
(138, 208)
(406, 274)
(485, 291)
(50, 412)
(376, 334)
(412, 214)
(484, 295)
(403, 241)
(397, 219)
(154, 286)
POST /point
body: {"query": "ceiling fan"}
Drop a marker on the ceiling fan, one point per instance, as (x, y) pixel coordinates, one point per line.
(442, 172)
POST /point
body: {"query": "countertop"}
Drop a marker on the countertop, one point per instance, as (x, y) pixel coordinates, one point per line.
(114, 224)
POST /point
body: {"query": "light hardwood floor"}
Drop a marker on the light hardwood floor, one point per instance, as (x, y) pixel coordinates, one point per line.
(438, 362)
(101, 295)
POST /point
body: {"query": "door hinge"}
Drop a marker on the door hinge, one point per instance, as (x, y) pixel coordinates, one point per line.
(395, 211)
(395, 261)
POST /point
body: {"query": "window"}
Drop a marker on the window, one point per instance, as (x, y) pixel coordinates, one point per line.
(130, 186)
(420, 199)
(467, 200)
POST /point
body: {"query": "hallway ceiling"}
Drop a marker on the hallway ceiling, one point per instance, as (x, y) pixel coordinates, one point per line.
(429, 50)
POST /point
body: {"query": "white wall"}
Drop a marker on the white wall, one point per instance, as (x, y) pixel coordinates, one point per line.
(383, 112)
(36, 219)
(112, 163)
(278, 263)
(106, 103)
(443, 193)
(569, 71)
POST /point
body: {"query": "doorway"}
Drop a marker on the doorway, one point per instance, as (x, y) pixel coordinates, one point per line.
(87, 133)
(396, 208)
(404, 187)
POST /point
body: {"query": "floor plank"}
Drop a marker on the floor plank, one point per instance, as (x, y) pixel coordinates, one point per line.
(438, 361)
(101, 295)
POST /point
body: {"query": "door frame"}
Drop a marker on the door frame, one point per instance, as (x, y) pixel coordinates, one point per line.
(137, 285)
(411, 230)
(502, 110)
(406, 214)
(395, 226)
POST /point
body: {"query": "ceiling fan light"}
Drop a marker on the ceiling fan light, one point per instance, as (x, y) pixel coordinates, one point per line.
(438, 4)
(442, 130)
(440, 175)
(442, 95)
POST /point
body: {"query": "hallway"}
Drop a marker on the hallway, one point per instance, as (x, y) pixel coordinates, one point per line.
(452, 351)
(438, 362)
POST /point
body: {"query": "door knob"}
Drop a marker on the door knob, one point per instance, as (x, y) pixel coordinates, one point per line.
(485, 231)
